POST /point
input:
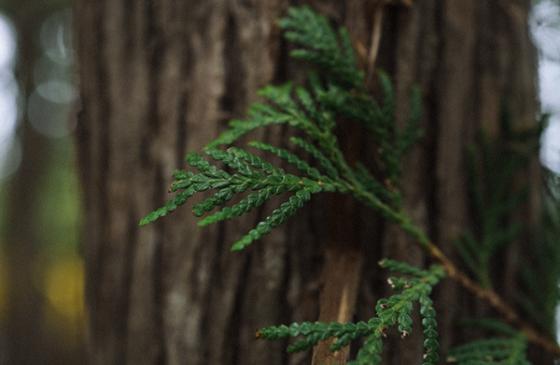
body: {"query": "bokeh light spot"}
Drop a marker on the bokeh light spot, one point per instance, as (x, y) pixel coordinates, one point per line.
(56, 37)
(57, 91)
(7, 43)
(11, 153)
(48, 118)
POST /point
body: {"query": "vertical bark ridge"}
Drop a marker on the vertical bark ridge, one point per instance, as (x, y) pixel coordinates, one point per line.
(116, 260)
(142, 319)
(410, 40)
(256, 44)
(100, 156)
(455, 80)
(158, 272)
(194, 252)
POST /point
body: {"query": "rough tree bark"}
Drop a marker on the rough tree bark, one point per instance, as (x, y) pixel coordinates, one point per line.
(161, 77)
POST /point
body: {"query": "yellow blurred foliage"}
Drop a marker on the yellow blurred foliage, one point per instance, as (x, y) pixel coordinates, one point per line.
(3, 287)
(64, 288)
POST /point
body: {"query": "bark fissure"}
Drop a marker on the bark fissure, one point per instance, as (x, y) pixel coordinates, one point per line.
(236, 318)
(155, 52)
(158, 272)
(432, 130)
(123, 311)
(215, 281)
(100, 165)
(181, 128)
(128, 25)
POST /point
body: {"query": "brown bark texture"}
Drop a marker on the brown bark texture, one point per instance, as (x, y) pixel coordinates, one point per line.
(162, 77)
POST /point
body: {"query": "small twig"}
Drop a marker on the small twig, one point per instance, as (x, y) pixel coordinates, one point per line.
(341, 280)
(485, 294)
(488, 295)
(376, 28)
(375, 37)
(495, 301)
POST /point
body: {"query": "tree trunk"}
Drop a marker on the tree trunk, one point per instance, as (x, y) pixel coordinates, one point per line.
(159, 78)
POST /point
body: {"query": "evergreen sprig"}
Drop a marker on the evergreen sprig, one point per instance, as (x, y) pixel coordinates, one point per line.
(411, 286)
(248, 173)
(509, 347)
(283, 108)
(493, 351)
(322, 46)
(493, 194)
(313, 110)
(380, 120)
(494, 197)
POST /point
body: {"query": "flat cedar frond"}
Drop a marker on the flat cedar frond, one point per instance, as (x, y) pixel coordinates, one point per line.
(322, 46)
(284, 110)
(314, 332)
(249, 173)
(508, 348)
(413, 285)
(290, 158)
(387, 194)
(326, 164)
(380, 120)
(337, 93)
(494, 198)
(494, 351)
(313, 110)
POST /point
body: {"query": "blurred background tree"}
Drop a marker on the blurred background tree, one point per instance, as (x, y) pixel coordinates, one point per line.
(41, 275)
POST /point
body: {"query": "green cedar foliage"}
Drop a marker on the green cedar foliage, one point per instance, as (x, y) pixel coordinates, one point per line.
(509, 347)
(494, 196)
(248, 173)
(322, 46)
(313, 110)
(225, 174)
(413, 285)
